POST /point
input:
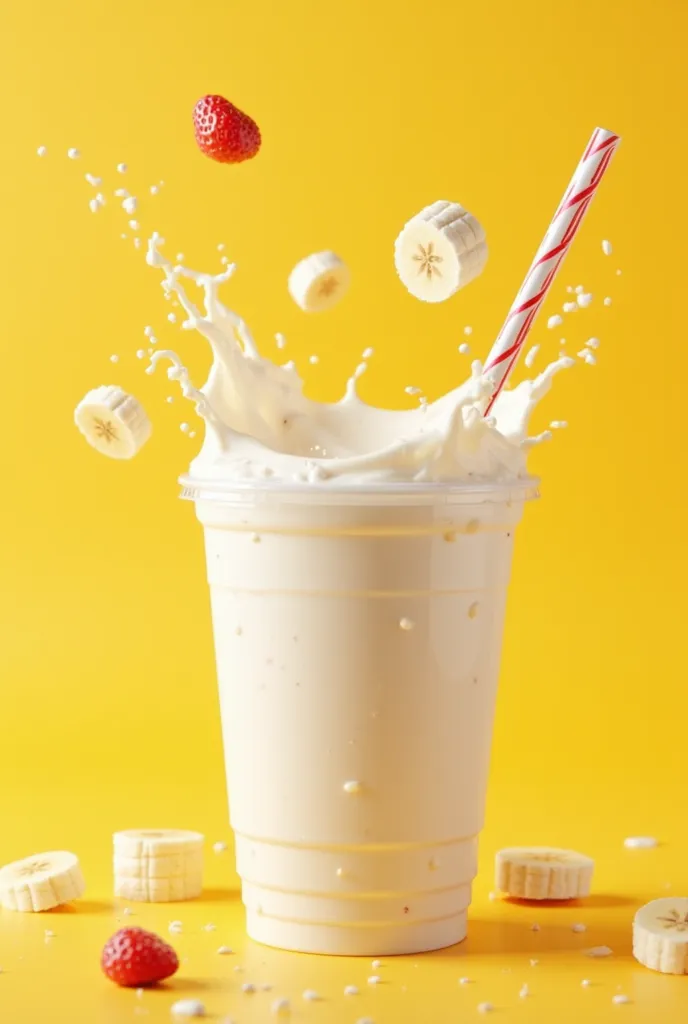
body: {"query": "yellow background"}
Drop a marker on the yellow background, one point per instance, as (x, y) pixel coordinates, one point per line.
(369, 111)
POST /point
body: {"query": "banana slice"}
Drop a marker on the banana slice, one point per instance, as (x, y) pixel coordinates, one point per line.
(158, 866)
(440, 250)
(41, 882)
(113, 422)
(660, 935)
(543, 873)
(319, 281)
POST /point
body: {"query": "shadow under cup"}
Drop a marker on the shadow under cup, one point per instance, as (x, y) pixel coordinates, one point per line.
(358, 636)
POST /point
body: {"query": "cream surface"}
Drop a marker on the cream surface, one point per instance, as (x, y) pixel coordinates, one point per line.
(260, 425)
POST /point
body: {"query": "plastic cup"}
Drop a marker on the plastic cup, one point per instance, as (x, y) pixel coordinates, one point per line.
(358, 636)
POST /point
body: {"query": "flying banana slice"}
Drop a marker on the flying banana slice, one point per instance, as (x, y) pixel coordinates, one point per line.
(543, 873)
(440, 250)
(113, 422)
(319, 281)
(158, 866)
(41, 882)
(660, 935)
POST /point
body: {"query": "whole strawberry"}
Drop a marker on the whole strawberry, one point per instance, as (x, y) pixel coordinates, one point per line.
(134, 957)
(223, 132)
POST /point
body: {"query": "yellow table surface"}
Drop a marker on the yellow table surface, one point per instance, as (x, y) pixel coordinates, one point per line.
(370, 110)
(59, 978)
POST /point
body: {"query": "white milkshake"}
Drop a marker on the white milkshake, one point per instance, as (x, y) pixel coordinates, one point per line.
(358, 561)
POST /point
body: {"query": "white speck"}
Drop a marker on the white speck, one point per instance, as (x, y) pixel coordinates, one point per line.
(584, 300)
(339, 872)
(281, 1006)
(140, 353)
(192, 433)
(224, 261)
(220, 246)
(175, 926)
(114, 359)
(412, 391)
(597, 951)
(467, 330)
(172, 317)
(464, 349)
(127, 911)
(374, 979)
(535, 927)
(42, 150)
(137, 243)
(578, 928)
(569, 288)
(93, 205)
(210, 927)
(93, 180)
(473, 610)
(620, 999)
(280, 340)
(154, 189)
(485, 1007)
(534, 963)
(224, 950)
(368, 353)
(406, 624)
(352, 787)
(492, 896)
(524, 992)
(169, 399)
(558, 424)
(310, 995)
(619, 273)
(350, 990)
(570, 307)
(607, 247)
(121, 193)
(134, 225)
(593, 343)
(375, 964)
(49, 934)
(530, 355)
(73, 154)
(129, 204)
(554, 321)
(579, 289)
(640, 842)
(187, 1008)
(122, 168)
(313, 360)
(607, 301)
(179, 257)
(465, 981)
(184, 427)
(587, 356)
(586, 983)
(248, 987)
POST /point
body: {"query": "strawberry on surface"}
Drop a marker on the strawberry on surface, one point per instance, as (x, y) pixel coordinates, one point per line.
(223, 132)
(134, 957)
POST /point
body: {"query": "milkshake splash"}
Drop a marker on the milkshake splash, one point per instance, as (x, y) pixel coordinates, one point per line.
(260, 424)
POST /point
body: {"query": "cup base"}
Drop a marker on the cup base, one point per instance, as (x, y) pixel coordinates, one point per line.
(340, 940)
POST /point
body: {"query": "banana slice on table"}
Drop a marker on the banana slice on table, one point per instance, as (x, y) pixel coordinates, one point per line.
(440, 250)
(41, 882)
(319, 281)
(158, 866)
(660, 935)
(113, 422)
(543, 873)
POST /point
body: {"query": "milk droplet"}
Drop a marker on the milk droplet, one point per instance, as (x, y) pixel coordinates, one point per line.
(281, 1006)
(620, 999)
(524, 992)
(184, 427)
(607, 301)
(122, 168)
(187, 1008)
(114, 359)
(554, 321)
(485, 1007)
(129, 204)
(578, 928)
(219, 847)
(154, 190)
(406, 624)
(350, 990)
(224, 950)
(313, 360)
(93, 180)
(73, 154)
(468, 330)
(140, 353)
(584, 300)
(42, 150)
(570, 307)
(530, 355)
(640, 842)
(172, 317)
(412, 391)
(368, 353)
(310, 995)
(607, 247)
(352, 787)
(464, 349)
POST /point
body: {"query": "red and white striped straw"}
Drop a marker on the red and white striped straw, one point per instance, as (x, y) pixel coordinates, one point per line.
(548, 259)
